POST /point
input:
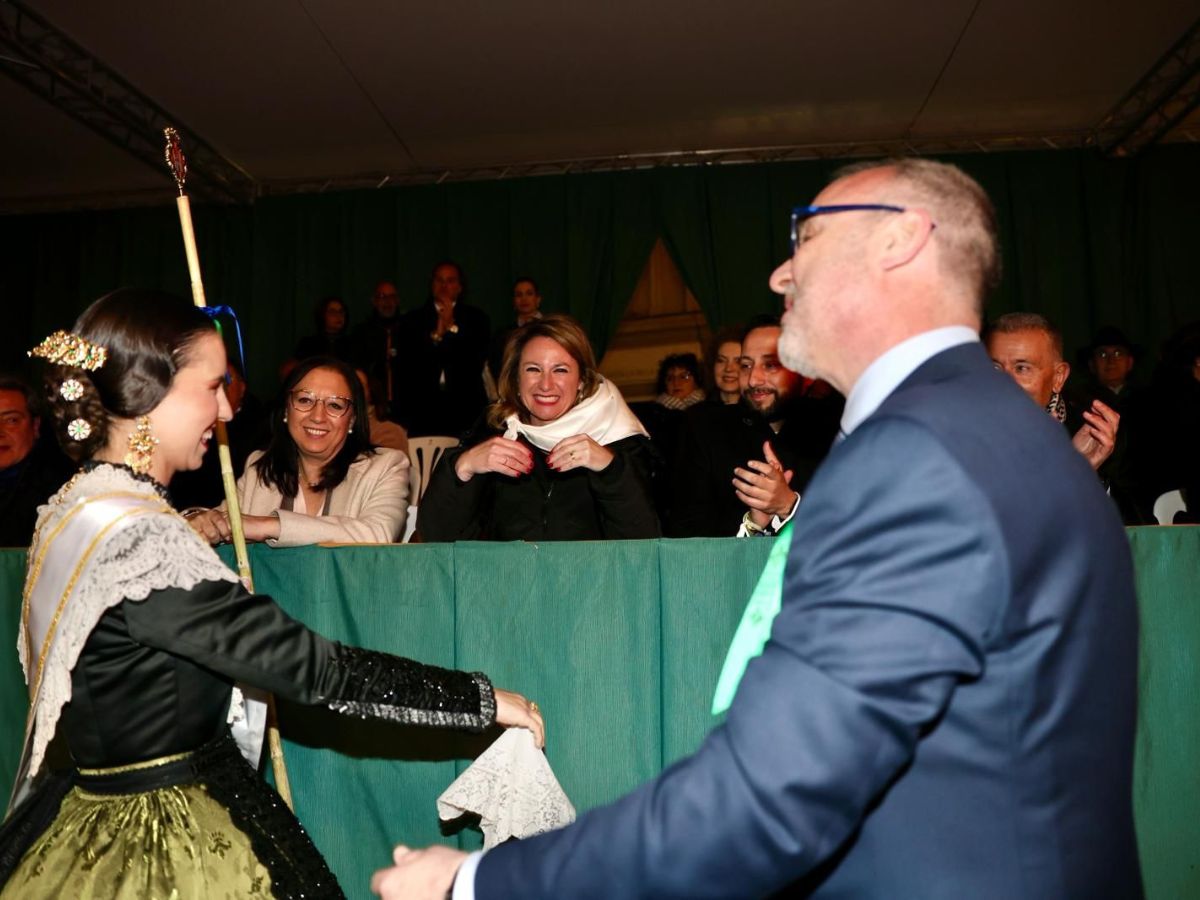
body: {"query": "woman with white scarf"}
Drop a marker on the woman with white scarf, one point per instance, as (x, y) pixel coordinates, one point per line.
(560, 456)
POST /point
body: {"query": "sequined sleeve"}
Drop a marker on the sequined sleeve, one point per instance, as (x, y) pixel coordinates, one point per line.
(249, 639)
(377, 685)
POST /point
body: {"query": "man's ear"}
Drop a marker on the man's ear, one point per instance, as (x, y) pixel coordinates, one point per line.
(904, 237)
(1062, 369)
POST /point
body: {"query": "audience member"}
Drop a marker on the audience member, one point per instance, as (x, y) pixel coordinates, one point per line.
(730, 466)
(560, 456)
(677, 387)
(1111, 356)
(1029, 348)
(247, 431)
(376, 342)
(319, 480)
(445, 344)
(527, 306)
(331, 334)
(724, 357)
(30, 469)
(383, 432)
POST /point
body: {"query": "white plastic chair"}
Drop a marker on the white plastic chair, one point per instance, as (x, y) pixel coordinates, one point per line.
(1167, 505)
(423, 453)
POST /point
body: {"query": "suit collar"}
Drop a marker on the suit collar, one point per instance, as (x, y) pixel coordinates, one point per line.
(890, 370)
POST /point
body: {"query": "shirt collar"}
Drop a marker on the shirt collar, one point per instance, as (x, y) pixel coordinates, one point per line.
(887, 372)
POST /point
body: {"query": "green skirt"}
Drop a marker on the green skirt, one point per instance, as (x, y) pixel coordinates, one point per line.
(188, 827)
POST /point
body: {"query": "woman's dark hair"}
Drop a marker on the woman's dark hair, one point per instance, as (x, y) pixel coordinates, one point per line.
(686, 361)
(525, 279)
(564, 331)
(148, 336)
(319, 314)
(279, 466)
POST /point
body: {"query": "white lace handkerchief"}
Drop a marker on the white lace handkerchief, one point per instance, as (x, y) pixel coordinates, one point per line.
(511, 788)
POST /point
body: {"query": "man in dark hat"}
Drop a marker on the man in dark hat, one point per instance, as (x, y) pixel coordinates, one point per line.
(1110, 360)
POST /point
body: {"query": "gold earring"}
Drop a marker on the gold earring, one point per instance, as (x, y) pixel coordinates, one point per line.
(141, 446)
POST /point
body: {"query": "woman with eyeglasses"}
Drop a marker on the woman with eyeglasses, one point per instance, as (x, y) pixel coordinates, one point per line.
(319, 479)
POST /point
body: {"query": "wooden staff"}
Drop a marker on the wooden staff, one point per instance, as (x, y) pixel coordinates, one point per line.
(178, 166)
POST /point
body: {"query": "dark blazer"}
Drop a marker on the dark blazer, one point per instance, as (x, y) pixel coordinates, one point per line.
(439, 388)
(545, 505)
(946, 706)
(713, 440)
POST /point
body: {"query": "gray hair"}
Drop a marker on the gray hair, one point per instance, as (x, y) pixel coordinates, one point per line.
(1013, 322)
(965, 217)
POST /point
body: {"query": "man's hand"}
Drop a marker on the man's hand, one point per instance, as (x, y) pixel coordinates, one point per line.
(763, 487)
(418, 874)
(1096, 439)
(445, 319)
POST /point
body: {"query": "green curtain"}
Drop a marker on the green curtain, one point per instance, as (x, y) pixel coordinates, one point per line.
(1085, 240)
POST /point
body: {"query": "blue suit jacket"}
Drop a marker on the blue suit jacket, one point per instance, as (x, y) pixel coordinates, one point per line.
(946, 706)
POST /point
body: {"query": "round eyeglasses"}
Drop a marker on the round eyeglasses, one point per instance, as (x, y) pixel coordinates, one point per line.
(306, 401)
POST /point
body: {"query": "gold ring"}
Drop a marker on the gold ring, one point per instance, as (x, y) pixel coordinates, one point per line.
(533, 707)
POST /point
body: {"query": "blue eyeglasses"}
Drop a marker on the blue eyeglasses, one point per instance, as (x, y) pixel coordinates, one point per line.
(802, 214)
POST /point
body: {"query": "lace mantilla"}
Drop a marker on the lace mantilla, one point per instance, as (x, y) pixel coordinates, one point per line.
(152, 553)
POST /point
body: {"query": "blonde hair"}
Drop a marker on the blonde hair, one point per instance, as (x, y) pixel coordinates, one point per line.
(564, 331)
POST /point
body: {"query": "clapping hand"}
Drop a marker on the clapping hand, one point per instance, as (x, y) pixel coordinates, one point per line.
(1096, 439)
(764, 487)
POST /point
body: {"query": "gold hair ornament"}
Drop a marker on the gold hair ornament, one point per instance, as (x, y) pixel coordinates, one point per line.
(71, 390)
(79, 429)
(66, 349)
(141, 446)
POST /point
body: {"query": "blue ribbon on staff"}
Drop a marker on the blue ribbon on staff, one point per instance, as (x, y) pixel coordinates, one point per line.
(212, 312)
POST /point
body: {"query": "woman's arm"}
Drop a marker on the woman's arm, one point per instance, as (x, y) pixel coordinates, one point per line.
(376, 515)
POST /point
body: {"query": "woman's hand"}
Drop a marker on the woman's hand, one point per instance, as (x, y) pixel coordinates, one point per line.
(210, 524)
(579, 451)
(213, 525)
(514, 711)
(499, 455)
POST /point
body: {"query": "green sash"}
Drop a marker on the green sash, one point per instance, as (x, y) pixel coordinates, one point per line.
(755, 627)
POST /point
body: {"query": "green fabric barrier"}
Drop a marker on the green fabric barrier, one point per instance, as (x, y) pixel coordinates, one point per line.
(1085, 240)
(620, 643)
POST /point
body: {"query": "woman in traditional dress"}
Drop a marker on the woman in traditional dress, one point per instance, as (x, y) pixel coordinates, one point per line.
(134, 634)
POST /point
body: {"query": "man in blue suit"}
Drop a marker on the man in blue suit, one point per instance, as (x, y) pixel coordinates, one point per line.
(946, 705)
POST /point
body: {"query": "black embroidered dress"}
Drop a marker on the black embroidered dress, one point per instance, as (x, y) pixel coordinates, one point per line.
(159, 799)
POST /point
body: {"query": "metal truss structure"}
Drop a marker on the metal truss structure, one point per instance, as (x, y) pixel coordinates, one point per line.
(1163, 98)
(47, 62)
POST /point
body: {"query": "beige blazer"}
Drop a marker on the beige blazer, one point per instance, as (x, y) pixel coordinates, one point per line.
(369, 507)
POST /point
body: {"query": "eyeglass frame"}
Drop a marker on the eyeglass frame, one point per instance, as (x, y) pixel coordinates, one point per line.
(801, 214)
(323, 401)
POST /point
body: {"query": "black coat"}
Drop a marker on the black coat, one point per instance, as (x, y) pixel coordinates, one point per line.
(714, 440)
(439, 387)
(545, 505)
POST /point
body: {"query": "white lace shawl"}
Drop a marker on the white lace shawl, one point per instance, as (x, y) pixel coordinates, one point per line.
(605, 417)
(154, 552)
